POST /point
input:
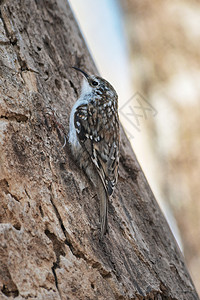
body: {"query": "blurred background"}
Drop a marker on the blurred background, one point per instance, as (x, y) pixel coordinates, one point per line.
(149, 51)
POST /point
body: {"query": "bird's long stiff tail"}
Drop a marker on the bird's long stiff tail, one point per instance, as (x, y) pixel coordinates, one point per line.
(103, 198)
(102, 194)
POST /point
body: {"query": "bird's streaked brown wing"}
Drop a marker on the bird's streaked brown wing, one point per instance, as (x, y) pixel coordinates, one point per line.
(99, 136)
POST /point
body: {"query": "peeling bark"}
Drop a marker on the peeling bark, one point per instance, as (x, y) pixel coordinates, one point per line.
(49, 235)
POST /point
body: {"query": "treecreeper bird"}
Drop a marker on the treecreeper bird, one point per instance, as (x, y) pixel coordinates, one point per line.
(94, 137)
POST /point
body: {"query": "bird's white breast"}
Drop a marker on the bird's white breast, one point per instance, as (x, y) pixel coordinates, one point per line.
(83, 99)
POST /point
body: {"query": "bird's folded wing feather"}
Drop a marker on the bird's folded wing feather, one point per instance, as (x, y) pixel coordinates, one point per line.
(99, 136)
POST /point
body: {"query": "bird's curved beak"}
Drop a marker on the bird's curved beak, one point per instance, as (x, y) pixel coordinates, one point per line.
(85, 74)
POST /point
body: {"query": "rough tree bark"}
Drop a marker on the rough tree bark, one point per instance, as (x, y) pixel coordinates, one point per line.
(49, 240)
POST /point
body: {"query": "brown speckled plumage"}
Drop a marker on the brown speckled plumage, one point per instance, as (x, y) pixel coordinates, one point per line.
(94, 120)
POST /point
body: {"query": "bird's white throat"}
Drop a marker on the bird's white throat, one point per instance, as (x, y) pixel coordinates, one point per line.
(85, 90)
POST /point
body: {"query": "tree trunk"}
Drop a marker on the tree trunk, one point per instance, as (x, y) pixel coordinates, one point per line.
(49, 213)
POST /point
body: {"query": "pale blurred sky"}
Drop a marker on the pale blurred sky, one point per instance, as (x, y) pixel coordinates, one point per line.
(102, 27)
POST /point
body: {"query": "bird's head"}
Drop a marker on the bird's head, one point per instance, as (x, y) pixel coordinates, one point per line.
(96, 85)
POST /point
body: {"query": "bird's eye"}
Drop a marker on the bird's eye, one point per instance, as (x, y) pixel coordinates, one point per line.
(94, 83)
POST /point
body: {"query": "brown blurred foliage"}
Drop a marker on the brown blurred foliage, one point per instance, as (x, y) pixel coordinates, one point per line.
(164, 42)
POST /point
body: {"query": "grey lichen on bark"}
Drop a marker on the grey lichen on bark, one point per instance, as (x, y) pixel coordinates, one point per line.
(49, 236)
